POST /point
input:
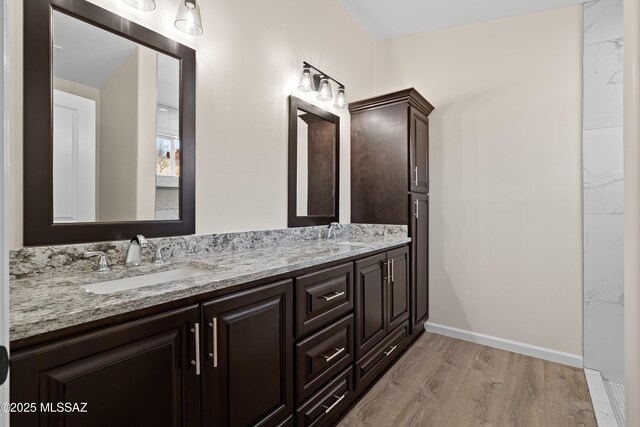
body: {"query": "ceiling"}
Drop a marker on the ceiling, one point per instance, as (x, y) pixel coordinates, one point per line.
(393, 18)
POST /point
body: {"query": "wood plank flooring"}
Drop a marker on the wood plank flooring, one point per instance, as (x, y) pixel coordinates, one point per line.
(445, 382)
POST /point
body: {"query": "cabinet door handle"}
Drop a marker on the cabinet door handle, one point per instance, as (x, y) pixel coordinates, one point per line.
(333, 296)
(417, 213)
(214, 326)
(334, 355)
(415, 170)
(196, 332)
(393, 271)
(386, 353)
(329, 408)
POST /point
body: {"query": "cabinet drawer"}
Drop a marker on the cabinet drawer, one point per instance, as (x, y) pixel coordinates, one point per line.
(322, 297)
(373, 363)
(326, 406)
(323, 355)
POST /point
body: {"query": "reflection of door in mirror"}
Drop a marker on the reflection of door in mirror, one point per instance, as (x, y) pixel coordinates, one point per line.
(316, 166)
(74, 158)
(135, 96)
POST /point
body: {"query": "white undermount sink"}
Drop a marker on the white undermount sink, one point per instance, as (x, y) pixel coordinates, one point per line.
(135, 282)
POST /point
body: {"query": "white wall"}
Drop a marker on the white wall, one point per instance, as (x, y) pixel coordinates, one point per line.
(506, 184)
(248, 62)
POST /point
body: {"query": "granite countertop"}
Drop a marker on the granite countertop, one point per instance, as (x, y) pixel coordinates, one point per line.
(48, 302)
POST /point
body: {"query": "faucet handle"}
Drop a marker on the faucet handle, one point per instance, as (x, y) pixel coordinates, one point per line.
(157, 258)
(103, 264)
(142, 241)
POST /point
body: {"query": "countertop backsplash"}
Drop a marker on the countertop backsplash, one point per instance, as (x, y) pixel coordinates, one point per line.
(30, 261)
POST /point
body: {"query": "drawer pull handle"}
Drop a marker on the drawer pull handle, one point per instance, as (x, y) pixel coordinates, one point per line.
(333, 296)
(334, 355)
(329, 408)
(386, 353)
(196, 331)
(214, 326)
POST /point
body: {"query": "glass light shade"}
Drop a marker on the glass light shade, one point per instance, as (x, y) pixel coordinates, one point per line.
(306, 81)
(146, 5)
(341, 99)
(324, 92)
(188, 19)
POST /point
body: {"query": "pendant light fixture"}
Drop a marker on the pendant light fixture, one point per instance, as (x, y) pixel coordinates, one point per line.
(324, 92)
(306, 80)
(188, 19)
(146, 5)
(341, 99)
(321, 83)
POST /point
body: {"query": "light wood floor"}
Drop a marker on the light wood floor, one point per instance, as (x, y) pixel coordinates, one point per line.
(443, 382)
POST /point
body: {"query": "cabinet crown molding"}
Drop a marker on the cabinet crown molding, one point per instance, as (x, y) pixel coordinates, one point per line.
(410, 96)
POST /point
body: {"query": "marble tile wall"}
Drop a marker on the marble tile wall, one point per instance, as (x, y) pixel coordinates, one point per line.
(603, 189)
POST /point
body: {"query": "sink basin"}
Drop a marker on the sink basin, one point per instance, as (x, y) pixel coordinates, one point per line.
(128, 283)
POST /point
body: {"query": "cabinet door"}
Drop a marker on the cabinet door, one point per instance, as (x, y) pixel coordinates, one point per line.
(371, 302)
(136, 374)
(248, 371)
(419, 233)
(398, 283)
(419, 152)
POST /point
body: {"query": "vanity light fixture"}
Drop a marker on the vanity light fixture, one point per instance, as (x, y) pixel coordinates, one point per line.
(341, 99)
(146, 5)
(188, 19)
(306, 80)
(321, 82)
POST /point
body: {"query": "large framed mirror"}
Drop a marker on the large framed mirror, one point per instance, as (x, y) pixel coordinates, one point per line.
(109, 127)
(314, 165)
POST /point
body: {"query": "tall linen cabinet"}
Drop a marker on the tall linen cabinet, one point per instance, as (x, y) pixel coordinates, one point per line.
(390, 179)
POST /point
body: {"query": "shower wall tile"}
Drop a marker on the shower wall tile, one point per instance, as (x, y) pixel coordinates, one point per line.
(603, 64)
(603, 171)
(602, 21)
(604, 344)
(603, 258)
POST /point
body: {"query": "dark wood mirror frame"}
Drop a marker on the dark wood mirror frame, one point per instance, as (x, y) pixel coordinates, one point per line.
(39, 228)
(294, 220)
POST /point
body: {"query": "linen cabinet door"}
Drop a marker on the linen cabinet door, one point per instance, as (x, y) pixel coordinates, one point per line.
(419, 232)
(398, 279)
(419, 151)
(371, 302)
(141, 373)
(248, 368)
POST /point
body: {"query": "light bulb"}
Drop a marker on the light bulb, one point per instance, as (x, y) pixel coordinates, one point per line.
(324, 93)
(188, 19)
(341, 99)
(306, 81)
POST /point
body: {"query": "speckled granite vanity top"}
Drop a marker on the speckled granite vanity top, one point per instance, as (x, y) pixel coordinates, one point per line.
(48, 296)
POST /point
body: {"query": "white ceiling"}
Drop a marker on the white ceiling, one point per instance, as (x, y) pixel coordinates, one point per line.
(393, 18)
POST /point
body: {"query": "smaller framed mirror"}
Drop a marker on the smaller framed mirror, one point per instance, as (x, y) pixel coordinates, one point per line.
(314, 165)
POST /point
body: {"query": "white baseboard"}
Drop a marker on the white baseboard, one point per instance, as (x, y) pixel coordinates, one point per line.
(503, 344)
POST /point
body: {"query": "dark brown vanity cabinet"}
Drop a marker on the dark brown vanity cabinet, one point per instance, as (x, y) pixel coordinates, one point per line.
(382, 310)
(247, 374)
(136, 374)
(299, 350)
(390, 179)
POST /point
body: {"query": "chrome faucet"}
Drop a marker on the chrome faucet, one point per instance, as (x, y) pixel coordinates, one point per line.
(134, 257)
(333, 226)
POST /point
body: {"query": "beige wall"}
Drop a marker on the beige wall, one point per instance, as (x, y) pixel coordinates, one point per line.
(118, 133)
(506, 184)
(248, 62)
(632, 210)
